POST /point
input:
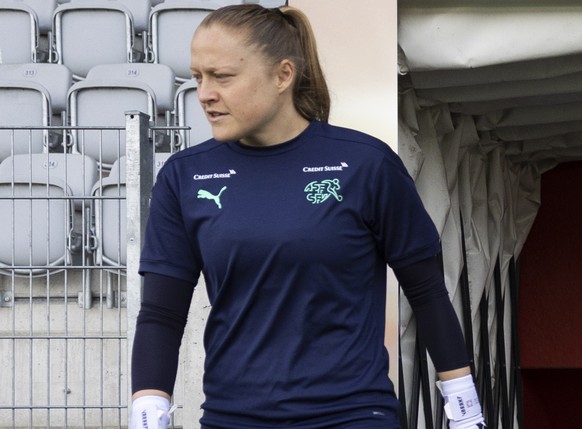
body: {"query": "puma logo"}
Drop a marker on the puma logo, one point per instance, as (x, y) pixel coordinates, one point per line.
(207, 195)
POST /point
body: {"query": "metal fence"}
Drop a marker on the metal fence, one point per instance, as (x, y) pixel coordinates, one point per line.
(70, 238)
(63, 287)
(63, 319)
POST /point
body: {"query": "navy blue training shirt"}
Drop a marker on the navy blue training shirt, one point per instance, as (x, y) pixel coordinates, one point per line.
(292, 241)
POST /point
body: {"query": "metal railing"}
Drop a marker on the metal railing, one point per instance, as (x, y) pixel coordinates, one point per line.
(67, 325)
(64, 320)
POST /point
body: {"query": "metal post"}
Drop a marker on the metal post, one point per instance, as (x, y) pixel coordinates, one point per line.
(515, 393)
(415, 393)
(500, 363)
(425, 382)
(139, 182)
(484, 379)
(466, 302)
(402, 392)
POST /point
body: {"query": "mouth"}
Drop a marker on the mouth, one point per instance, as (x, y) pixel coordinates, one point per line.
(214, 115)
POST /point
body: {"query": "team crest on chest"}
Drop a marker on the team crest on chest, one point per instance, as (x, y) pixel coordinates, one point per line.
(318, 192)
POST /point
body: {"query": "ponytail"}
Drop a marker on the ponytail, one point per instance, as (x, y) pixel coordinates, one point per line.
(280, 34)
(311, 95)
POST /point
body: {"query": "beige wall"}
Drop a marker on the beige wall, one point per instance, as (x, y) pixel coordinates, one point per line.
(357, 42)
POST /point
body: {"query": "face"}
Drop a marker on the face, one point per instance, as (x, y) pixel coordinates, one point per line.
(241, 93)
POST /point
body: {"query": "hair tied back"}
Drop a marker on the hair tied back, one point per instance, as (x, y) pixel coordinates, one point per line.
(282, 14)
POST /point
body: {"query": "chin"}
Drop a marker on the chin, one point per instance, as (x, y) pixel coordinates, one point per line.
(225, 136)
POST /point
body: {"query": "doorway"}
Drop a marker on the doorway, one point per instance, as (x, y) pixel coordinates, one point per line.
(550, 312)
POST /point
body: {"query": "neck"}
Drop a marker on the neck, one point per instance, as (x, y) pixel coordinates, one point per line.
(285, 127)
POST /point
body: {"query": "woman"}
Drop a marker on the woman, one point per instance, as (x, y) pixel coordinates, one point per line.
(291, 221)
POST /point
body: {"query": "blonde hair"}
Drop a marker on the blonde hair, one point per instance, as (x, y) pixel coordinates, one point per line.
(283, 33)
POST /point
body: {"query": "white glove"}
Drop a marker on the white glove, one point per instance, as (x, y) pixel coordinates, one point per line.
(462, 405)
(150, 412)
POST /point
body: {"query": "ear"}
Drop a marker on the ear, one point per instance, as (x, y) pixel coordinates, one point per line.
(285, 75)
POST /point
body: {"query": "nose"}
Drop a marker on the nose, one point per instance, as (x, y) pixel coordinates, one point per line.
(206, 94)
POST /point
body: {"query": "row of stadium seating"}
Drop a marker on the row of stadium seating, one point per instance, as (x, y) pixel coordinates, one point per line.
(90, 85)
(62, 147)
(84, 33)
(39, 94)
(54, 207)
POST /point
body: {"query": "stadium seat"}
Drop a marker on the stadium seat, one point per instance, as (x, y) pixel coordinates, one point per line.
(106, 94)
(159, 77)
(189, 113)
(79, 172)
(44, 10)
(110, 217)
(110, 213)
(92, 32)
(160, 159)
(19, 33)
(171, 26)
(140, 12)
(38, 196)
(23, 104)
(32, 95)
(55, 78)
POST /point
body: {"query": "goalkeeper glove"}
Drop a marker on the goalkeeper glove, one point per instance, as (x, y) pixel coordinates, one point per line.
(462, 405)
(150, 412)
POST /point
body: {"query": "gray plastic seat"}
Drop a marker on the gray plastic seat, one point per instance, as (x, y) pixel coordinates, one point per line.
(38, 197)
(102, 99)
(23, 105)
(55, 78)
(171, 26)
(110, 217)
(78, 172)
(110, 212)
(92, 32)
(44, 10)
(31, 95)
(160, 159)
(140, 12)
(19, 33)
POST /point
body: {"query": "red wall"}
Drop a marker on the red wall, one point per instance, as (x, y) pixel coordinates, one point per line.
(550, 313)
(551, 398)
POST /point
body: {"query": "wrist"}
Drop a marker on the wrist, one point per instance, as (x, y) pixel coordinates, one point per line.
(150, 392)
(161, 401)
(462, 405)
(150, 412)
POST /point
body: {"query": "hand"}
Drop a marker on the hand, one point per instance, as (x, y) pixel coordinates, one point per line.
(462, 405)
(150, 412)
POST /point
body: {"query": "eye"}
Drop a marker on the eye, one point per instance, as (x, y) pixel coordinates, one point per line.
(222, 77)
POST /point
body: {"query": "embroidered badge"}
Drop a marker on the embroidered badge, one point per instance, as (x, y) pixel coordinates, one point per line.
(318, 192)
